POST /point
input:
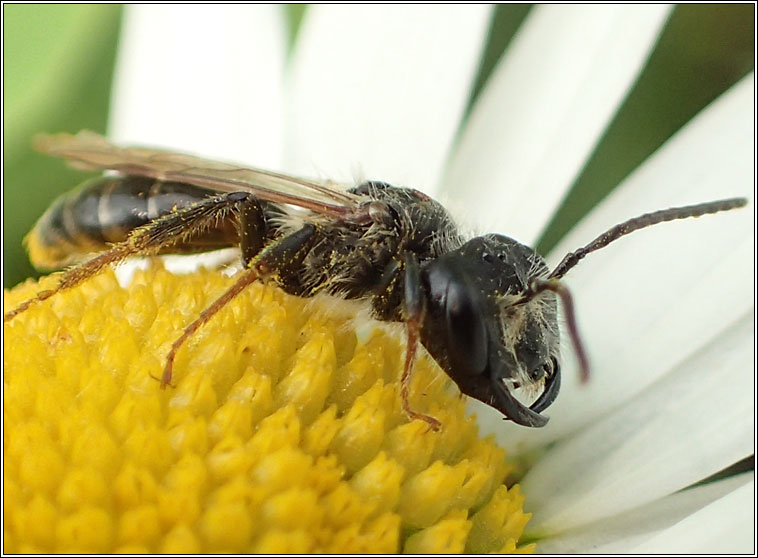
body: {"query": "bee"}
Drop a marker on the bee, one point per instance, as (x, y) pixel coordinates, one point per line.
(485, 308)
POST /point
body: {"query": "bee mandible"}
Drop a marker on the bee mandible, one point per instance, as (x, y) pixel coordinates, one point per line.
(484, 308)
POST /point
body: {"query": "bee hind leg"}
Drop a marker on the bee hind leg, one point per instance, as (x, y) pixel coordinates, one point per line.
(149, 239)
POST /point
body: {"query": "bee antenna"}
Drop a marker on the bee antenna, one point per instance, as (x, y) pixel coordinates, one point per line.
(641, 222)
(536, 286)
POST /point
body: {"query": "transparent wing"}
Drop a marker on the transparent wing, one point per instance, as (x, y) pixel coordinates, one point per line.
(90, 151)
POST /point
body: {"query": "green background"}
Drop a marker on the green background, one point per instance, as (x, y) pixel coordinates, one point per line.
(58, 67)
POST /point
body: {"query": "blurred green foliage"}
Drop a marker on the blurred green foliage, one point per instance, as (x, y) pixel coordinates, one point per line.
(59, 63)
(703, 50)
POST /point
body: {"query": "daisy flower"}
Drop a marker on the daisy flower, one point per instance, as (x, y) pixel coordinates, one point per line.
(382, 93)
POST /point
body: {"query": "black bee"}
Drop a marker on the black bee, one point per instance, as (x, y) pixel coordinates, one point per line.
(485, 309)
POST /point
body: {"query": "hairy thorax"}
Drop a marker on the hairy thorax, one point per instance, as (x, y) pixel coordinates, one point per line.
(356, 261)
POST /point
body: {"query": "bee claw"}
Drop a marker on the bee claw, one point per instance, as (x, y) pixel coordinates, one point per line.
(433, 424)
(164, 382)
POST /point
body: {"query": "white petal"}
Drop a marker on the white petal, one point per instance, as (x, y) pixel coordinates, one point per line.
(625, 531)
(726, 526)
(690, 424)
(544, 108)
(650, 300)
(379, 91)
(205, 79)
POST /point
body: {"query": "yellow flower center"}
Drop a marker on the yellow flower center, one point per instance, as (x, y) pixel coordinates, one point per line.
(283, 432)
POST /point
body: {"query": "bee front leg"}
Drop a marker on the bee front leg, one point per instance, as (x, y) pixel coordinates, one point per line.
(413, 313)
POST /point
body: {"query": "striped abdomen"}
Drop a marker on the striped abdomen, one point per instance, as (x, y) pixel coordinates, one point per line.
(104, 210)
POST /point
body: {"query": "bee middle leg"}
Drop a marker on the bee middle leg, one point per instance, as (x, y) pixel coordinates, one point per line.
(259, 263)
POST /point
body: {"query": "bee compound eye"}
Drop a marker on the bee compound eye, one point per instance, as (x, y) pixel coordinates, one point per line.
(467, 333)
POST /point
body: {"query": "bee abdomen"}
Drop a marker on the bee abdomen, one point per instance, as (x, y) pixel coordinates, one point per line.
(103, 211)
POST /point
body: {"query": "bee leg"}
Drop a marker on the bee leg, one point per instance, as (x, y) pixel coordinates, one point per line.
(147, 240)
(258, 265)
(248, 276)
(252, 232)
(413, 311)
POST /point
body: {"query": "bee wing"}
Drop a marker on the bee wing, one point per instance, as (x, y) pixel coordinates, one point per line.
(90, 151)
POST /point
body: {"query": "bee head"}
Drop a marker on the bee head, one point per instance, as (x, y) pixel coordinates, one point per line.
(490, 318)
(492, 328)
